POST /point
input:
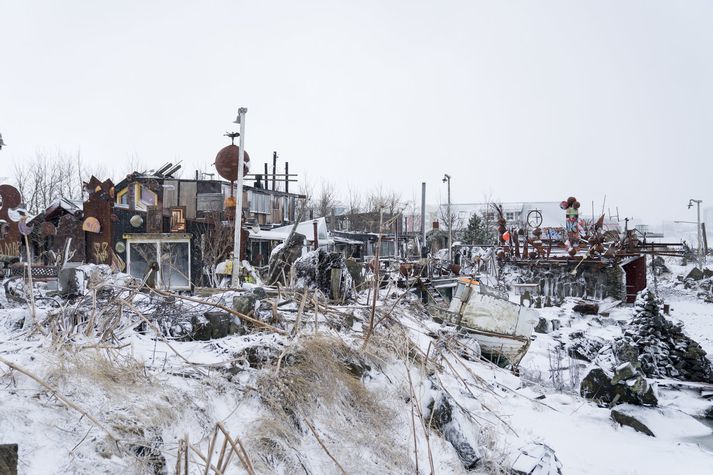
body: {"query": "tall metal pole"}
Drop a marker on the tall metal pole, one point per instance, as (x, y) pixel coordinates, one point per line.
(450, 224)
(701, 257)
(423, 216)
(239, 204)
(447, 178)
(700, 249)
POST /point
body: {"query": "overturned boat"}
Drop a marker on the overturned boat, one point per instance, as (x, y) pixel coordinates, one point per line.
(502, 328)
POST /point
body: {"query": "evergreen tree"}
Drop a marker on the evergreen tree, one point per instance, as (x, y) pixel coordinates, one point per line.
(477, 231)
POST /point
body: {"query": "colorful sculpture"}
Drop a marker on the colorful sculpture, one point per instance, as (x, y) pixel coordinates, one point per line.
(571, 207)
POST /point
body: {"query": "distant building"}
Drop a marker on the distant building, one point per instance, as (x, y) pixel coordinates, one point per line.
(516, 213)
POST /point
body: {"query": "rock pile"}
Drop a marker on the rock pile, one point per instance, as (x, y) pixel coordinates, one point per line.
(626, 386)
(700, 282)
(659, 346)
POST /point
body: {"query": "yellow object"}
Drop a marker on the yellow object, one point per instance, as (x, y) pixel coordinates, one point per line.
(467, 280)
(91, 225)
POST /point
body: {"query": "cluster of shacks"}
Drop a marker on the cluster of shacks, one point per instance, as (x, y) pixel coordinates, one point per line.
(177, 232)
(174, 231)
(148, 221)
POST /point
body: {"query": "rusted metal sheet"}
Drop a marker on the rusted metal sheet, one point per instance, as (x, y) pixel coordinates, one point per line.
(635, 278)
(99, 206)
(69, 241)
(10, 199)
(154, 219)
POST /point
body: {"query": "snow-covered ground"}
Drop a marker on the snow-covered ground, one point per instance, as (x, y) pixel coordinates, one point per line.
(583, 435)
(318, 400)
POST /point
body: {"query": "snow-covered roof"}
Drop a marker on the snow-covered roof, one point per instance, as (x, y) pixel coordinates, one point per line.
(268, 235)
(343, 240)
(306, 228)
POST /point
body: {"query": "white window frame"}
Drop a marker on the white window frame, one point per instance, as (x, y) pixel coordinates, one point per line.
(158, 241)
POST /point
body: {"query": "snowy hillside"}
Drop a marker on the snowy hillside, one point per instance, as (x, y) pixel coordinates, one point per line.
(107, 382)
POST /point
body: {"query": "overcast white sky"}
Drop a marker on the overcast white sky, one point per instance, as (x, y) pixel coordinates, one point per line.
(520, 100)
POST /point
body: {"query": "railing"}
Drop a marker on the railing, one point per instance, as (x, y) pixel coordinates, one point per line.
(38, 272)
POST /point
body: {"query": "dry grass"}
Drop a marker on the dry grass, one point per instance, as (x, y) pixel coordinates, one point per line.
(109, 370)
(118, 385)
(320, 384)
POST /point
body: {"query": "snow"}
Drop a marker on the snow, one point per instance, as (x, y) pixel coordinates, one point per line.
(147, 395)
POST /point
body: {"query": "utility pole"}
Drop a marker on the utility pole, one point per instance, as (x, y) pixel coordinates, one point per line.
(423, 218)
(447, 179)
(239, 205)
(701, 257)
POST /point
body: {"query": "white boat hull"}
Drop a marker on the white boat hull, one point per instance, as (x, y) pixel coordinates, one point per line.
(501, 328)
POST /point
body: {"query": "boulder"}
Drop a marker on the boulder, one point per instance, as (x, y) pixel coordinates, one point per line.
(664, 422)
(695, 274)
(245, 303)
(8, 459)
(259, 293)
(542, 326)
(446, 419)
(214, 325)
(625, 419)
(598, 385)
(624, 372)
(586, 308)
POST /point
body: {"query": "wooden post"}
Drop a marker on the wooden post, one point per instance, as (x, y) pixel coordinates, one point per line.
(287, 177)
(29, 323)
(376, 277)
(705, 239)
(316, 234)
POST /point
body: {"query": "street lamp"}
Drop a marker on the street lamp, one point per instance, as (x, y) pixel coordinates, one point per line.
(447, 179)
(698, 229)
(239, 205)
